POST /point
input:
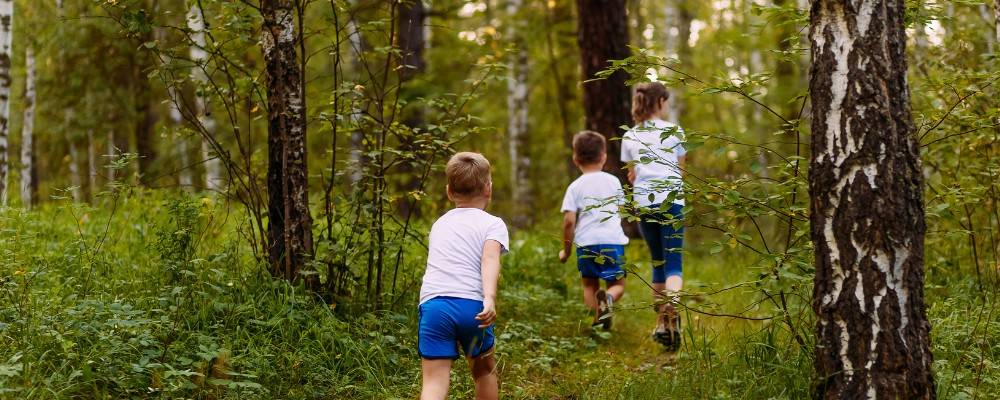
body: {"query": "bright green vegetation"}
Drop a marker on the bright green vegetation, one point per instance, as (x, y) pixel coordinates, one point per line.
(162, 300)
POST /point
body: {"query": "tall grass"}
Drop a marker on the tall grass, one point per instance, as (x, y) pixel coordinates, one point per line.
(161, 299)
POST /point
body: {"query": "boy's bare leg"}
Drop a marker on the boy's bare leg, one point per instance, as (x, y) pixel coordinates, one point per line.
(616, 289)
(590, 288)
(437, 376)
(484, 372)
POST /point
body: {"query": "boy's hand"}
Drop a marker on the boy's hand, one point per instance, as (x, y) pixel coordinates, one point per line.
(489, 314)
(563, 255)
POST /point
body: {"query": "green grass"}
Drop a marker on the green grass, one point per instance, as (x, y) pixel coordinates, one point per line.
(127, 317)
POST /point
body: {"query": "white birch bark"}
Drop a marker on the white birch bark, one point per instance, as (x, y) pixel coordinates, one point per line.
(111, 156)
(92, 164)
(6, 23)
(355, 157)
(996, 20)
(76, 181)
(213, 166)
(517, 113)
(27, 130)
(671, 43)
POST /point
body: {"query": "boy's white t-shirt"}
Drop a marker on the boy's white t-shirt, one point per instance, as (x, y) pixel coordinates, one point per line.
(455, 253)
(583, 196)
(644, 140)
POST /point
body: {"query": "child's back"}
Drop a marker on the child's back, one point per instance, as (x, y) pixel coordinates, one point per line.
(455, 253)
(593, 196)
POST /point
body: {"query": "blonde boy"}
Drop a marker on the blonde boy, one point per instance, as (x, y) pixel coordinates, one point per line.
(458, 295)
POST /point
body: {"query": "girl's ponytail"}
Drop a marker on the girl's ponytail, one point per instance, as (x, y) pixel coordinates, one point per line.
(646, 100)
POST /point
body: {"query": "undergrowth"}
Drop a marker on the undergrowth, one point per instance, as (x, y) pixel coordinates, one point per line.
(162, 299)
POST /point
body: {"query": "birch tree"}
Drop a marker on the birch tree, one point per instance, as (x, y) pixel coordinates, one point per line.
(213, 166)
(602, 35)
(517, 115)
(6, 23)
(677, 18)
(867, 216)
(27, 131)
(289, 221)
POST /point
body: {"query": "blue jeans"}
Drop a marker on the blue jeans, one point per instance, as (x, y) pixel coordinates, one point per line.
(665, 243)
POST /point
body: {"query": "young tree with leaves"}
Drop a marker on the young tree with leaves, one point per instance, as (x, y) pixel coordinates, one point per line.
(867, 215)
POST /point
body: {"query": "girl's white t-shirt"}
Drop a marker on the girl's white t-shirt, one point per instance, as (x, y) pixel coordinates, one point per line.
(595, 197)
(645, 140)
(455, 253)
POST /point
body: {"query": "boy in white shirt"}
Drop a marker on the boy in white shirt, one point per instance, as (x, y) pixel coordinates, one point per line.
(591, 220)
(458, 294)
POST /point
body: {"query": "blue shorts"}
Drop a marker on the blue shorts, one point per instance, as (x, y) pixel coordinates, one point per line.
(601, 261)
(447, 323)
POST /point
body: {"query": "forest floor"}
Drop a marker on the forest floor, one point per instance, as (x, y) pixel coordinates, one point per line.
(163, 300)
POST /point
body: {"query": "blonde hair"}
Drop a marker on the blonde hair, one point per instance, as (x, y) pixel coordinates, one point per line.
(646, 100)
(588, 146)
(468, 174)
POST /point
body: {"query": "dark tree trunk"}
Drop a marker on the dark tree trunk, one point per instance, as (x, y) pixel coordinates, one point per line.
(145, 113)
(602, 35)
(410, 41)
(289, 222)
(866, 206)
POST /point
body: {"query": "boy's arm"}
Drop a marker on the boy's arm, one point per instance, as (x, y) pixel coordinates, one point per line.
(490, 265)
(568, 233)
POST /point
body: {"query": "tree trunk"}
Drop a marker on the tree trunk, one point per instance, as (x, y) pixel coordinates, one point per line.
(145, 115)
(356, 156)
(184, 178)
(203, 110)
(410, 41)
(28, 181)
(91, 165)
(517, 117)
(867, 213)
(678, 16)
(290, 224)
(6, 33)
(76, 179)
(996, 22)
(602, 35)
(563, 86)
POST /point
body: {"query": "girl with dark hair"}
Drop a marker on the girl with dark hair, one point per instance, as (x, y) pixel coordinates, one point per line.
(656, 152)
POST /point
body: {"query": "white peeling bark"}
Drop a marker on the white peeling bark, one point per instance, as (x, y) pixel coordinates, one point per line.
(866, 209)
(213, 166)
(27, 131)
(517, 114)
(6, 32)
